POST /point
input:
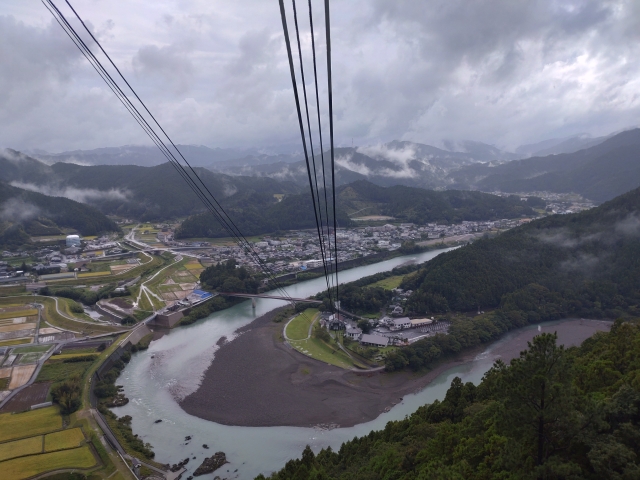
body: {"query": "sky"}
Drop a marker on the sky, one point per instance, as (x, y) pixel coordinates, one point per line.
(216, 72)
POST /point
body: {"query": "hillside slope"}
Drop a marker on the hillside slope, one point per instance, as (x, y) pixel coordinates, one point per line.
(599, 173)
(591, 259)
(144, 193)
(24, 213)
(262, 214)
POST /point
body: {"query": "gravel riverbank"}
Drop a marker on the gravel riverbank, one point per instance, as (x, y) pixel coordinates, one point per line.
(258, 380)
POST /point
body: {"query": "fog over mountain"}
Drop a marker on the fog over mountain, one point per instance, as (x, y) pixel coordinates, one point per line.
(584, 168)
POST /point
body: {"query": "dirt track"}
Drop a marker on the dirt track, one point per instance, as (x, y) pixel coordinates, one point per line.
(256, 380)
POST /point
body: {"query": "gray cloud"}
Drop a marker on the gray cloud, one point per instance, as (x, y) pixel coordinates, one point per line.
(16, 210)
(216, 73)
(83, 195)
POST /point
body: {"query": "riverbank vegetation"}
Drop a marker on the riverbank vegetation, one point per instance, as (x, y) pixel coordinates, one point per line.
(552, 413)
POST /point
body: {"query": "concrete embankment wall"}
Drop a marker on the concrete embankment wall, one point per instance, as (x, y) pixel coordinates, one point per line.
(107, 313)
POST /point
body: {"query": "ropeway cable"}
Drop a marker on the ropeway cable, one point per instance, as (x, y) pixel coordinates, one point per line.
(324, 176)
(313, 157)
(241, 240)
(333, 170)
(300, 123)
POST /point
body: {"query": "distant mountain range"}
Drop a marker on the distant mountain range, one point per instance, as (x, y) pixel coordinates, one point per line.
(144, 193)
(599, 172)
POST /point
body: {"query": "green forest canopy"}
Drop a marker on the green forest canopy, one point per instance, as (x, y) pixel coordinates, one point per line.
(553, 413)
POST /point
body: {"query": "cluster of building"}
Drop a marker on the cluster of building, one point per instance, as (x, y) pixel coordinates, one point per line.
(298, 250)
(387, 331)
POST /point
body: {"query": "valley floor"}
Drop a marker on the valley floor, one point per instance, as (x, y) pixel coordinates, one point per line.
(258, 380)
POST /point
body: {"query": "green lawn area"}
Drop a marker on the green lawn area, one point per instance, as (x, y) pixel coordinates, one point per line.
(34, 349)
(94, 274)
(19, 313)
(389, 283)
(15, 341)
(63, 440)
(316, 348)
(26, 467)
(19, 448)
(29, 358)
(55, 370)
(54, 319)
(28, 424)
(298, 328)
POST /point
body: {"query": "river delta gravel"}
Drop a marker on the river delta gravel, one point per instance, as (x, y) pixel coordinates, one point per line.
(258, 380)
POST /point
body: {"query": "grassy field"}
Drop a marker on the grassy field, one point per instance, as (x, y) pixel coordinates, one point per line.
(55, 370)
(15, 341)
(19, 448)
(63, 440)
(34, 349)
(54, 319)
(318, 349)
(94, 274)
(18, 313)
(28, 424)
(389, 283)
(26, 467)
(74, 354)
(12, 290)
(298, 328)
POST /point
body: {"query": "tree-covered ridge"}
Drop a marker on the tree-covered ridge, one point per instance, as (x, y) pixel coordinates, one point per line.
(145, 193)
(24, 213)
(259, 214)
(553, 413)
(418, 205)
(591, 259)
(227, 277)
(599, 173)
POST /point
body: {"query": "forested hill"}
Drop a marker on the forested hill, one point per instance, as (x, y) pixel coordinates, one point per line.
(144, 193)
(418, 205)
(599, 173)
(257, 215)
(591, 259)
(552, 413)
(24, 213)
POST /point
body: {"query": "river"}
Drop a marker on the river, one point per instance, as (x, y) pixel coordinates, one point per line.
(173, 365)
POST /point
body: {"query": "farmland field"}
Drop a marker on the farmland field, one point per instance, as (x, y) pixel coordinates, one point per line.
(29, 466)
(63, 440)
(94, 274)
(21, 375)
(19, 448)
(18, 313)
(15, 341)
(28, 424)
(58, 371)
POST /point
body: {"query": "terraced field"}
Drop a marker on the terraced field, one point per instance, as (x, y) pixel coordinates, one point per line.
(33, 443)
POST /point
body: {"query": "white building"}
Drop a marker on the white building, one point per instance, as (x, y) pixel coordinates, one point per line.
(73, 241)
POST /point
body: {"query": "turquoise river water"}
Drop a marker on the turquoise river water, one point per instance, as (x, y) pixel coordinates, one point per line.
(172, 367)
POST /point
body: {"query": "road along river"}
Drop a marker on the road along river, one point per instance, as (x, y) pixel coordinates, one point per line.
(173, 366)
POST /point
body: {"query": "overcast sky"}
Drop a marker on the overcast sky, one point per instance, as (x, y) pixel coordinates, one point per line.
(216, 72)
